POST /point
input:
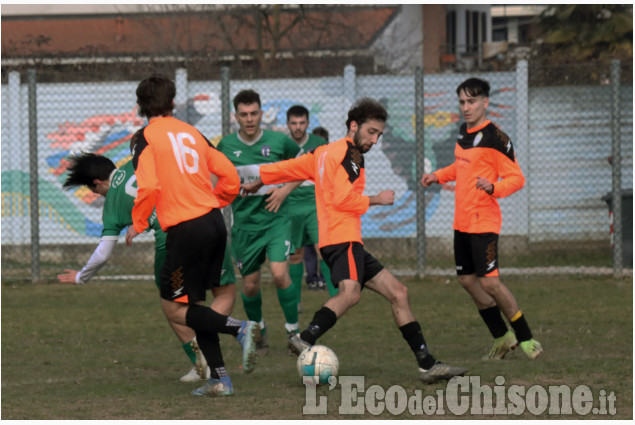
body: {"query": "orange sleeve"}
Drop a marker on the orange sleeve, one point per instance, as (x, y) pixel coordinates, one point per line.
(228, 185)
(447, 174)
(148, 186)
(345, 198)
(290, 170)
(512, 178)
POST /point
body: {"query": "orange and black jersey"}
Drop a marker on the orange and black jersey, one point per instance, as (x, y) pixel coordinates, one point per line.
(340, 177)
(483, 151)
(173, 163)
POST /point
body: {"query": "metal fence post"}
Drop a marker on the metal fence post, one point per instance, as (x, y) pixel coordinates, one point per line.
(34, 199)
(224, 99)
(420, 166)
(225, 128)
(349, 88)
(617, 168)
(181, 95)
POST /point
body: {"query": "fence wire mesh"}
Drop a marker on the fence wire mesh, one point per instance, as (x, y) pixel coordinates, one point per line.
(558, 118)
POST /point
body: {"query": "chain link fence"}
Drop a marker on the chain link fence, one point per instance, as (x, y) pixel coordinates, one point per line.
(571, 128)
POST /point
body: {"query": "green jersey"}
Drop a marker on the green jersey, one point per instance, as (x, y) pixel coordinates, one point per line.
(117, 213)
(302, 199)
(272, 146)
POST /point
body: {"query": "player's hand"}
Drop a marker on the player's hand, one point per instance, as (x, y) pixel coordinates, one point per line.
(276, 197)
(252, 187)
(428, 179)
(68, 276)
(130, 234)
(485, 185)
(385, 197)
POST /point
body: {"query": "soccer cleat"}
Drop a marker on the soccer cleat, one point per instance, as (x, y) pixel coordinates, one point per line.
(248, 337)
(192, 375)
(216, 387)
(531, 348)
(201, 363)
(296, 344)
(262, 343)
(502, 346)
(440, 372)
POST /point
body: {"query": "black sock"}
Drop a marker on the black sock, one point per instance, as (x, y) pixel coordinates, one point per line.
(209, 344)
(323, 320)
(521, 329)
(494, 321)
(205, 319)
(413, 335)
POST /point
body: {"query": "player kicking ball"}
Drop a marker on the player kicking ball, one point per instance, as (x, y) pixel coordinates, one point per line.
(339, 175)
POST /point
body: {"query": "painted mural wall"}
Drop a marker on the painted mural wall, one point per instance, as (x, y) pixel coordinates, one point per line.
(101, 118)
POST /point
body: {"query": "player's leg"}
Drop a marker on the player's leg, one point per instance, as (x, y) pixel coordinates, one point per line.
(485, 254)
(192, 265)
(465, 259)
(347, 262)
(186, 335)
(296, 266)
(279, 246)
(388, 286)
(249, 250)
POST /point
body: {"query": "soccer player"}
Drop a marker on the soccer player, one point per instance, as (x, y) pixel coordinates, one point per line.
(485, 169)
(174, 164)
(261, 227)
(119, 188)
(304, 224)
(340, 177)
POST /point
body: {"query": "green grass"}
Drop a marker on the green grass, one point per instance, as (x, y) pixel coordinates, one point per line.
(104, 350)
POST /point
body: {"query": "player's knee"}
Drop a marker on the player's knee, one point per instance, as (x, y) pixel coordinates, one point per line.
(401, 294)
(491, 285)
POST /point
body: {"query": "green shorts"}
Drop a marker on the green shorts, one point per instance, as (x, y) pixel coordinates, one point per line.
(304, 229)
(251, 248)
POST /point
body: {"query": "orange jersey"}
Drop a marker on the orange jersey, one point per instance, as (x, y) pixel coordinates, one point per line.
(339, 175)
(483, 151)
(173, 163)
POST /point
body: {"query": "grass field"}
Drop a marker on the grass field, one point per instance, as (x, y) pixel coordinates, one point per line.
(104, 350)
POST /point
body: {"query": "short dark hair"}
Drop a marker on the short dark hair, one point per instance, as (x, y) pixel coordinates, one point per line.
(246, 97)
(155, 96)
(366, 109)
(474, 87)
(87, 167)
(297, 111)
(321, 132)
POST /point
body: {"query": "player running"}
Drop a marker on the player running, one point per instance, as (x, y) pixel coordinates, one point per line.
(261, 228)
(174, 164)
(339, 175)
(485, 169)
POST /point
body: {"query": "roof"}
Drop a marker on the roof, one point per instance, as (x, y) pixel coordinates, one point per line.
(209, 33)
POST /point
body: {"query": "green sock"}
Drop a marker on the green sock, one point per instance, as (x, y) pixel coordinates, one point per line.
(187, 347)
(296, 272)
(253, 306)
(289, 304)
(326, 272)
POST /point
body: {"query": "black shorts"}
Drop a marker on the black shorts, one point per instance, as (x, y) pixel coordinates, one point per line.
(194, 259)
(350, 260)
(476, 253)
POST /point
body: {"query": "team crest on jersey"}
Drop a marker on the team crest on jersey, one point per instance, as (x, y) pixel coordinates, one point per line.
(118, 178)
(265, 151)
(478, 138)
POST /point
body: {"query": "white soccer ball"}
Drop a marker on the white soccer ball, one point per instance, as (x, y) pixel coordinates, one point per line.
(318, 362)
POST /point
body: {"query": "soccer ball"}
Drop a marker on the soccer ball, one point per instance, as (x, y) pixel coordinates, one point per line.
(318, 362)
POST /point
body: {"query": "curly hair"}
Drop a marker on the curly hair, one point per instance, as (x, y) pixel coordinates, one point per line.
(246, 97)
(366, 109)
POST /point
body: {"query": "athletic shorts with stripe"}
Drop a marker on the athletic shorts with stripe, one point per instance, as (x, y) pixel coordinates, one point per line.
(349, 260)
(194, 258)
(476, 253)
(252, 248)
